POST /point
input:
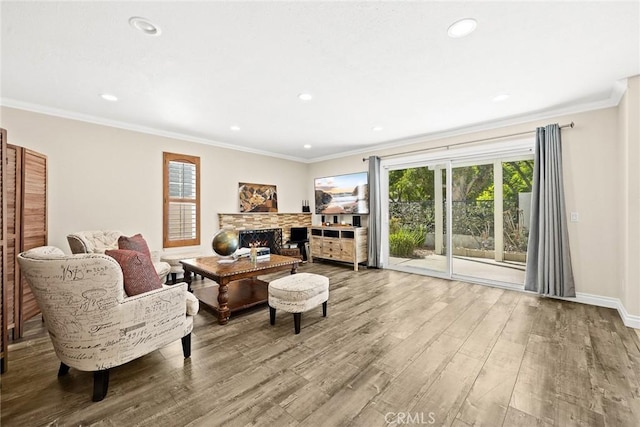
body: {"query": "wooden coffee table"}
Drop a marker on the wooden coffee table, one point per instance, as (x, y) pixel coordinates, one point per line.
(238, 284)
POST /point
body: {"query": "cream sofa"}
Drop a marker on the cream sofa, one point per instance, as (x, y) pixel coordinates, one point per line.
(98, 241)
(92, 323)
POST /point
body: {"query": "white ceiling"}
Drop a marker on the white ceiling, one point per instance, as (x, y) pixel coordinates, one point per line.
(388, 64)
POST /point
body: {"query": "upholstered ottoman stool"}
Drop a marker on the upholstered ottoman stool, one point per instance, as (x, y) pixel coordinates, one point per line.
(296, 294)
(176, 268)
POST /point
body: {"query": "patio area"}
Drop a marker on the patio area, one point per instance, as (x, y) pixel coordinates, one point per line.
(481, 268)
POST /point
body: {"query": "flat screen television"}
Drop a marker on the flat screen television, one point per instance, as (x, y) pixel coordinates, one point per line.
(342, 194)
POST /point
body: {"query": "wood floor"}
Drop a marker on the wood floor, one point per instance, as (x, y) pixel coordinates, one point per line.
(395, 349)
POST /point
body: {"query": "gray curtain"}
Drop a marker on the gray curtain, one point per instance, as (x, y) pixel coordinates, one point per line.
(548, 257)
(375, 217)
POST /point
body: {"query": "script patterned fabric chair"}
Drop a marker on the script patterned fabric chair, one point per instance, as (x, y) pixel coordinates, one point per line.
(92, 323)
(99, 241)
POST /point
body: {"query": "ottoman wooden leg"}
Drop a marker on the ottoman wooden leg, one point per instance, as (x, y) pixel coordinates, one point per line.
(324, 309)
(296, 322)
(272, 315)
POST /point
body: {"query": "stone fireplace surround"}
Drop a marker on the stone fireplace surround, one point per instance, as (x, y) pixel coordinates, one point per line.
(264, 220)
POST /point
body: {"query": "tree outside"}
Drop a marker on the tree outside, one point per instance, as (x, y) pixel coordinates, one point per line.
(412, 210)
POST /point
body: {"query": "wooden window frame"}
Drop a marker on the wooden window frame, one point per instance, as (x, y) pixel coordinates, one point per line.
(173, 157)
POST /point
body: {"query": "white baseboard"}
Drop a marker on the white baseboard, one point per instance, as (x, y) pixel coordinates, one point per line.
(630, 320)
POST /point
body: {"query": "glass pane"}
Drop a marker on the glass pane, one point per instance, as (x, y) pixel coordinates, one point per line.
(517, 184)
(182, 221)
(490, 203)
(473, 219)
(182, 180)
(472, 204)
(417, 225)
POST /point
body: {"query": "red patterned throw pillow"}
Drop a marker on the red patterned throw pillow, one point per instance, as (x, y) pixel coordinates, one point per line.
(137, 269)
(134, 243)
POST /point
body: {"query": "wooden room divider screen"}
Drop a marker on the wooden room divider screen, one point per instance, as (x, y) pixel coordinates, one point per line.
(3, 252)
(24, 225)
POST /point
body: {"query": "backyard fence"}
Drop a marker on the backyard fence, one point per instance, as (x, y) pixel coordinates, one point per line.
(473, 224)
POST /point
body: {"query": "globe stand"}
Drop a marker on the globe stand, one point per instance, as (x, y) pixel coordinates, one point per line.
(226, 259)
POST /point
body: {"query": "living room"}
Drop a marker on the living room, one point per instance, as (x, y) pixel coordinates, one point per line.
(102, 169)
(106, 173)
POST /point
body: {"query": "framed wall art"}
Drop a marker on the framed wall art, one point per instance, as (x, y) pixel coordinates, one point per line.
(257, 197)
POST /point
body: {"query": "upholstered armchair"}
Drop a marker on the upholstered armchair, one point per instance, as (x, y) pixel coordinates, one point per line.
(98, 241)
(93, 325)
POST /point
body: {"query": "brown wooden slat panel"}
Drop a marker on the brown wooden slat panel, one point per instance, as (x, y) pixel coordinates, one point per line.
(10, 190)
(3, 254)
(29, 305)
(13, 224)
(34, 219)
(34, 232)
(10, 285)
(24, 218)
(3, 314)
(2, 198)
(13, 177)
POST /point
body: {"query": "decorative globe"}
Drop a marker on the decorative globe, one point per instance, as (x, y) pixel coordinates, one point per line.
(225, 242)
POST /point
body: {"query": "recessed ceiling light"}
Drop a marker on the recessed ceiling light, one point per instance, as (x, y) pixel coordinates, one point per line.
(305, 96)
(376, 128)
(462, 28)
(235, 128)
(307, 146)
(109, 97)
(144, 25)
(501, 97)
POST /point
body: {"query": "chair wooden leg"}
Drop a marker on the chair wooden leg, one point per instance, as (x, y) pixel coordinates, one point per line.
(296, 322)
(186, 345)
(100, 384)
(64, 369)
(324, 309)
(272, 315)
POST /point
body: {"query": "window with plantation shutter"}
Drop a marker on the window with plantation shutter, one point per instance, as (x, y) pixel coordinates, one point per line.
(181, 200)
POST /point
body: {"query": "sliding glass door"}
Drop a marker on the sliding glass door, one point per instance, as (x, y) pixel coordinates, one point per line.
(416, 237)
(483, 199)
(490, 212)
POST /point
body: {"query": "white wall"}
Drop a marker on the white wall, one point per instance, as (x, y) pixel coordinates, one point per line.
(629, 224)
(102, 177)
(106, 178)
(591, 165)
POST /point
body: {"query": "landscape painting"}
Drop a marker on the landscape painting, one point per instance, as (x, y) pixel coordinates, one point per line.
(257, 197)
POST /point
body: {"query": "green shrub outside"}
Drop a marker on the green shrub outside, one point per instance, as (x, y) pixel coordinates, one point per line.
(405, 239)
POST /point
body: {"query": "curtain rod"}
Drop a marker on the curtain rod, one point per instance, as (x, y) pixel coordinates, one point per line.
(364, 159)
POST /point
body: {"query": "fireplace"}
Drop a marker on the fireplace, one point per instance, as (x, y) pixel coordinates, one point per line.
(270, 238)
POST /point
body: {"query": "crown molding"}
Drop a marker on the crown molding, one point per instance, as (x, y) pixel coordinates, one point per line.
(36, 108)
(617, 92)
